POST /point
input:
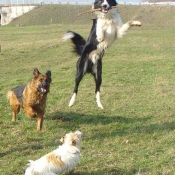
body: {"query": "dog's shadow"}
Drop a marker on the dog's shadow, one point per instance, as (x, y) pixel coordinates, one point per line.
(78, 118)
(129, 124)
(75, 120)
(117, 170)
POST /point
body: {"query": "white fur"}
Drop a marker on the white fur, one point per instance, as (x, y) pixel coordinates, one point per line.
(72, 100)
(110, 27)
(67, 36)
(106, 3)
(98, 100)
(66, 153)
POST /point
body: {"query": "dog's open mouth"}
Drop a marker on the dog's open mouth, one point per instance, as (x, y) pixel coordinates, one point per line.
(105, 10)
(43, 90)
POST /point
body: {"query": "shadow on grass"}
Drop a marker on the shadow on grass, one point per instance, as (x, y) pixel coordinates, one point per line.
(120, 125)
(92, 119)
(25, 150)
(115, 171)
(116, 125)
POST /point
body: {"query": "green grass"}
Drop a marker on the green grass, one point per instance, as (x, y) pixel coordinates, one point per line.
(133, 135)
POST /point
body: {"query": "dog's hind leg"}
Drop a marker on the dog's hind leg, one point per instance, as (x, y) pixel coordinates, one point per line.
(122, 30)
(15, 111)
(72, 100)
(79, 75)
(98, 100)
(14, 103)
(97, 76)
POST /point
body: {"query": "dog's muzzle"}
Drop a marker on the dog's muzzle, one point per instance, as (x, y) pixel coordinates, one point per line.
(43, 87)
(105, 8)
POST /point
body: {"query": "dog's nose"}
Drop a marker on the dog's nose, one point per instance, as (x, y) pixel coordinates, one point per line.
(104, 5)
(44, 85)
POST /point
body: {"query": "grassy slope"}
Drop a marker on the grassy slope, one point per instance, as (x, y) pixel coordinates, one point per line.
(135, 132)
(67, 14)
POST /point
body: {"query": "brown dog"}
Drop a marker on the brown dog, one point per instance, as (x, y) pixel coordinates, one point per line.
(31, 97)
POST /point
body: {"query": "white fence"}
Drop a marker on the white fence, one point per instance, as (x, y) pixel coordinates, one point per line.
(23, 2)
(77, 2)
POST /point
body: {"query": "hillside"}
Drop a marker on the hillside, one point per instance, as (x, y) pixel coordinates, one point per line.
(67, 14)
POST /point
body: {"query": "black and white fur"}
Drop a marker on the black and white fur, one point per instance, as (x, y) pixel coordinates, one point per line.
(105, 29)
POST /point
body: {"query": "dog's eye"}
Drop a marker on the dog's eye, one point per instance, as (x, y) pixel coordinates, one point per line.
(41, 80)
(63, 138)
(74, 143)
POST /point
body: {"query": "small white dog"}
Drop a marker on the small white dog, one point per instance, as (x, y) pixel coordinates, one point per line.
(63, 159)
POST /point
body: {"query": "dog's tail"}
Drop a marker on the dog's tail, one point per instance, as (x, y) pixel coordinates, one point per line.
(30, 168)
(9, 94)
(77, 40)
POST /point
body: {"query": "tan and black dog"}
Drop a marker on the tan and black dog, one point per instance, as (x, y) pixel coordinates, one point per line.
(31, 97)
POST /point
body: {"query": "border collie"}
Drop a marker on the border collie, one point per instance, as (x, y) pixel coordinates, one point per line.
(105, 29)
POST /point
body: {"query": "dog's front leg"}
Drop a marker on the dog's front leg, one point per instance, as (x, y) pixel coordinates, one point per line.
(13, 116)
(100, 30)
(39, 120)
(122, 30)
(29, 111)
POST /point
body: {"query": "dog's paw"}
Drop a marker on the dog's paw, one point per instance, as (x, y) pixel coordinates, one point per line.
(100, 38)
(135, 23)
(33, 115)
(100, 106)
(72, 101)
(98, 100)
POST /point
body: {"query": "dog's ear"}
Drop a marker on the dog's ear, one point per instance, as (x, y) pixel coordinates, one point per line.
(62, 139)
(112, 3)
(36, 73)
(78, 134)
(74, 143)
(48, 73)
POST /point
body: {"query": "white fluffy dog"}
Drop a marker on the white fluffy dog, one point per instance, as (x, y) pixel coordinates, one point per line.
(63, 159)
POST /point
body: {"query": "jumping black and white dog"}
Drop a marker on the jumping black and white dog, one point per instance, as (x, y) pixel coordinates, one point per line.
(105, 29)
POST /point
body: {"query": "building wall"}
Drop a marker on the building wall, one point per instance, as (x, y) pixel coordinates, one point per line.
(12, 12)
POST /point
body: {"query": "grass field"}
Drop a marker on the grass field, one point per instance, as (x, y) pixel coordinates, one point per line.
(134, 134)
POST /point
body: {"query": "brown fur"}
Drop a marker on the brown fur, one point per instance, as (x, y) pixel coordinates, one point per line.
(33, 98)
(72, 141)
(56, 160)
